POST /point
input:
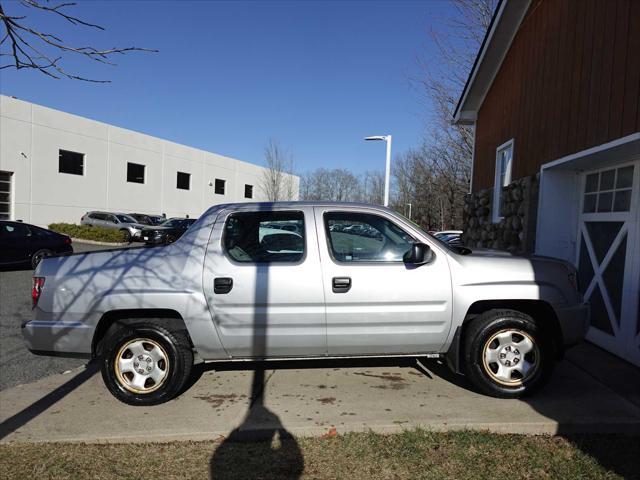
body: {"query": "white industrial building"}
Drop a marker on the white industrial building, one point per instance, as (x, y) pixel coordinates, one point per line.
(55, 166)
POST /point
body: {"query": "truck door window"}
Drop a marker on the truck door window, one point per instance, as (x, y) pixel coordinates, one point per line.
(263, 237)
(363, 237)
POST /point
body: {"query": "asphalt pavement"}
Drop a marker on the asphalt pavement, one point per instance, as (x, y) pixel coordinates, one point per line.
(17, 364)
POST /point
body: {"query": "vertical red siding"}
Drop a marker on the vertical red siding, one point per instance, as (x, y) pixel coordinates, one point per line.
(570, 81)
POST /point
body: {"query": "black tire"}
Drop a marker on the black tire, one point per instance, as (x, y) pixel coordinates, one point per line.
(37, 257)
(126, 235)
(481, 346)
(169, 239)
(173, 344)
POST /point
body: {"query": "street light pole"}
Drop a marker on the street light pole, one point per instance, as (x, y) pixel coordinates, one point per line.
(409, 210)
(387, 170)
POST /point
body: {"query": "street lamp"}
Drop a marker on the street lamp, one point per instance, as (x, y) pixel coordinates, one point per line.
(387, 171)
(409, 210)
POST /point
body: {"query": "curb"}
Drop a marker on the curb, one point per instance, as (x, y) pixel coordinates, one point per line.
(550, 428)
(95, 242)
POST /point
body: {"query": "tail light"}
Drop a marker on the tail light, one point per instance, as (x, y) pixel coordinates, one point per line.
(36, 290)
(67, 240)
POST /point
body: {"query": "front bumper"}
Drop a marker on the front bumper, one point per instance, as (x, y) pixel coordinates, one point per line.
(63, 339)
(574, 323)
(153, 238)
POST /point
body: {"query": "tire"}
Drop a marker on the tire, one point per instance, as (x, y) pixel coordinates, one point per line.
(170, 239)
(37, 257)
(126, 235)
(506, 354)
(145, 363)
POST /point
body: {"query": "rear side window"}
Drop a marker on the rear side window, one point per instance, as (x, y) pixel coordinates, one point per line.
(41, 232)
(13, 230)
(363, 237)
(98, 216)
(263, 237)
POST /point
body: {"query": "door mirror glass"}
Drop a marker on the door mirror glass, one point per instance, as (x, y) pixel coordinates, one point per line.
(419, 254)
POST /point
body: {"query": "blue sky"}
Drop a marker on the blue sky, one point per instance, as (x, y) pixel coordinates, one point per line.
(317, 76)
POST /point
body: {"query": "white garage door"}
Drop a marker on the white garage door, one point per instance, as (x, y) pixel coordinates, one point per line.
(609, 257)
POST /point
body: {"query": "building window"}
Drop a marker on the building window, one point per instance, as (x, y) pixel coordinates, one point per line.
(135, 173)
(219, 186)
(248, 191)
(504, 160)
(70, 162)
(183, 181)
(608, 191)
(5, 195)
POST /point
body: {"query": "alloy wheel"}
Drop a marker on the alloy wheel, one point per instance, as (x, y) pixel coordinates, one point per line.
(141, 365)
(511, 357)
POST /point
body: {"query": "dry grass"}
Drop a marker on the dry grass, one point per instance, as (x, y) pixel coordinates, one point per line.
(410, 455)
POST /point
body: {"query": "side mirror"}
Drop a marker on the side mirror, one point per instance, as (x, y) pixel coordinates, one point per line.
(419, 254)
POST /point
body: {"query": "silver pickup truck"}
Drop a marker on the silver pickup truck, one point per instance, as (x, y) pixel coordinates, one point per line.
(304, 280)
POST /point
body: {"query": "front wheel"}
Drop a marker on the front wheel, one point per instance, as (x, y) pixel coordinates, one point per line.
(145, 363)
(126, 235)
(507, 355)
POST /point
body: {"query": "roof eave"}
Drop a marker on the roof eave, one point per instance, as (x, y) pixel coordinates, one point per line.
(502, 30)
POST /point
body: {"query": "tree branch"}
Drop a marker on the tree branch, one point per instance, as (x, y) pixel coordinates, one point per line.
(28, 47)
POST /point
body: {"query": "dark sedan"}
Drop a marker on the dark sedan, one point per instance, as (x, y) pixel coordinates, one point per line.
(22, 244)
(167, 232)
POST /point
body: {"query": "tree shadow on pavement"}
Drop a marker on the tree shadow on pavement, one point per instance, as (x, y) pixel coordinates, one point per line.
(27, 414)
(260, 447)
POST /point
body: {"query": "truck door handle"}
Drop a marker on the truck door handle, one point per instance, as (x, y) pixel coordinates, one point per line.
(341, 284)
(222, 285)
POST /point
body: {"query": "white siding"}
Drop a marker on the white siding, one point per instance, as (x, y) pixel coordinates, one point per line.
(31, 135)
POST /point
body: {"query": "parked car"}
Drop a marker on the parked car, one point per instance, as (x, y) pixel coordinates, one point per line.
(167, 232)
(452, 237)
(222, 292)
(145, 219)
(128, 225)
(24, 244)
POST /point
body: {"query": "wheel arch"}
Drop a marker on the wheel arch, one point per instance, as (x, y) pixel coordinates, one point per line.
(541, 311)
(167, 317)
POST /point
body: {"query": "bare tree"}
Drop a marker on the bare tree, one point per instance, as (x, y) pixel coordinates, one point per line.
(448, 149)
(26, 47)
(277, 182)
(342, 185)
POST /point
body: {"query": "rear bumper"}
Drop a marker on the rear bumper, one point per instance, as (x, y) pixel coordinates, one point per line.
(65, 339)
(574, 323)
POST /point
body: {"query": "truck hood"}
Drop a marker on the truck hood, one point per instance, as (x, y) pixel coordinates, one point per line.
(497, 271)
(492, 254)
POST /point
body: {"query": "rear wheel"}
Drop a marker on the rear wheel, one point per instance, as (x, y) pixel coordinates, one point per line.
(37, 257)
(145, 363)
(507, 355)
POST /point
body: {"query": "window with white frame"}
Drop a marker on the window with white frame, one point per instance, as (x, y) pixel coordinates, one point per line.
(504, 160)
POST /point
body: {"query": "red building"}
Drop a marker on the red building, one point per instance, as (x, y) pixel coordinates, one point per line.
(554, 95)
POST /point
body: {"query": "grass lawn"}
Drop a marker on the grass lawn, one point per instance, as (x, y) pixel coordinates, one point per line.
(409, 455)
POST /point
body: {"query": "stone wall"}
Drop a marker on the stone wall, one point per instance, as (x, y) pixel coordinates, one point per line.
(516, 232)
